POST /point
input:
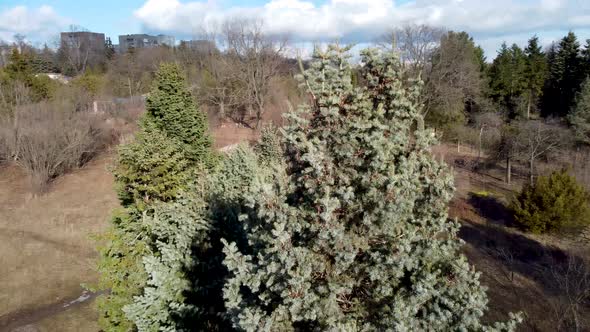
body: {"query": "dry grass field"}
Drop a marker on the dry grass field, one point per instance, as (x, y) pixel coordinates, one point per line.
(46, 248)
(537, 275)
(46, 245)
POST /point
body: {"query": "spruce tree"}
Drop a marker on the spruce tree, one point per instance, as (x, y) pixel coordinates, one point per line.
(171, 108)
(170, 150)
(566, 73)
(579, 117)
(353, 233)
(535, 73)
(553, 203)
(508, 78)
(573, 73)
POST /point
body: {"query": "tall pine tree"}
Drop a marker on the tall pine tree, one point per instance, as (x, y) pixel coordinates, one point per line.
(565, 76)
(535, 73)
(353, 234)
(507, 78)
(579, 117)
(586, 58)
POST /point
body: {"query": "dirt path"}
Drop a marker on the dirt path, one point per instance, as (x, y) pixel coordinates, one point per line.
(22, 318)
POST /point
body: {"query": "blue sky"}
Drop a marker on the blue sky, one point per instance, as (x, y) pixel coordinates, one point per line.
(359, 21)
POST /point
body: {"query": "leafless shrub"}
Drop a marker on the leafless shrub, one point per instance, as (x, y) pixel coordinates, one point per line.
(488, 125)
(571, 280)
(48, 141)
(536, 139)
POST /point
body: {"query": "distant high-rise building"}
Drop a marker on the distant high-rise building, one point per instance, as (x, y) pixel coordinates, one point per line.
(203, 46)
(83, 39)
(142, 40)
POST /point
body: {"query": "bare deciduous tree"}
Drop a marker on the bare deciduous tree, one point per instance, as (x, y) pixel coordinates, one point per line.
(79, 53)
(453, 84)
(487, 123)
(215, 79)
(536, 139)
(415, 44)
(256, 59)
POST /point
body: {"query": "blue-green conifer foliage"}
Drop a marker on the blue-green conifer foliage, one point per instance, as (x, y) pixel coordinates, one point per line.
(353, 234)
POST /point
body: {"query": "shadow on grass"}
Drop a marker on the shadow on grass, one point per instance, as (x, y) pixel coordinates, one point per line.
(562, 277)
(491, 208)
(523, 255)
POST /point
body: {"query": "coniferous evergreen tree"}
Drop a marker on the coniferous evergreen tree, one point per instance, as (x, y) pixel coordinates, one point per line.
(535, 73)
(565, 76)
(579, 117)
(353, 234)
(586, 58)
(508, 78)
(170, 148)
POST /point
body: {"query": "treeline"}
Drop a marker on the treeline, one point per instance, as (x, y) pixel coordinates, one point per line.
(520, 82)
(232, 69)
(528, 104)
(52, 123)
(238, 72)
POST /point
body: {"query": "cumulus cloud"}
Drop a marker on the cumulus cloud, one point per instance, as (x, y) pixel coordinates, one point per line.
(361, 20)
(38, 23)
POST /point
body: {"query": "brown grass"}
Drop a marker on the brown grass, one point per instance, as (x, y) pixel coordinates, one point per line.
(520, 270)
(46, 250)
(45, 241)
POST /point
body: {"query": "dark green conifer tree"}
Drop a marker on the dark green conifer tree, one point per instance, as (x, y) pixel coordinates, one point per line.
(579, 117)
(565, 76)
(507, 78)
(535, 74)
(170, 149)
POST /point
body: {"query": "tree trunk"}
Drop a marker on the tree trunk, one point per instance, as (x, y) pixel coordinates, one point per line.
(532, 164)
(479, 143)
(16, 137)
(259, 114)
(528, 107)
(508, 170)
(222, 110)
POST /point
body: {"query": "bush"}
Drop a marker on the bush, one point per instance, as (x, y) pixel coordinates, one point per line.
(92, 84)
(553, 203)
(48, 141)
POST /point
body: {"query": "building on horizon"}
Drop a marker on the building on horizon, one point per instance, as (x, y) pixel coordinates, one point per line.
(135, 41)
(83, 39)
(200, 45)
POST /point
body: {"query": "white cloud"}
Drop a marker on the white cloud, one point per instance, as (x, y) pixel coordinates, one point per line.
(39, 23)
(363, 20)
(344, 18)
